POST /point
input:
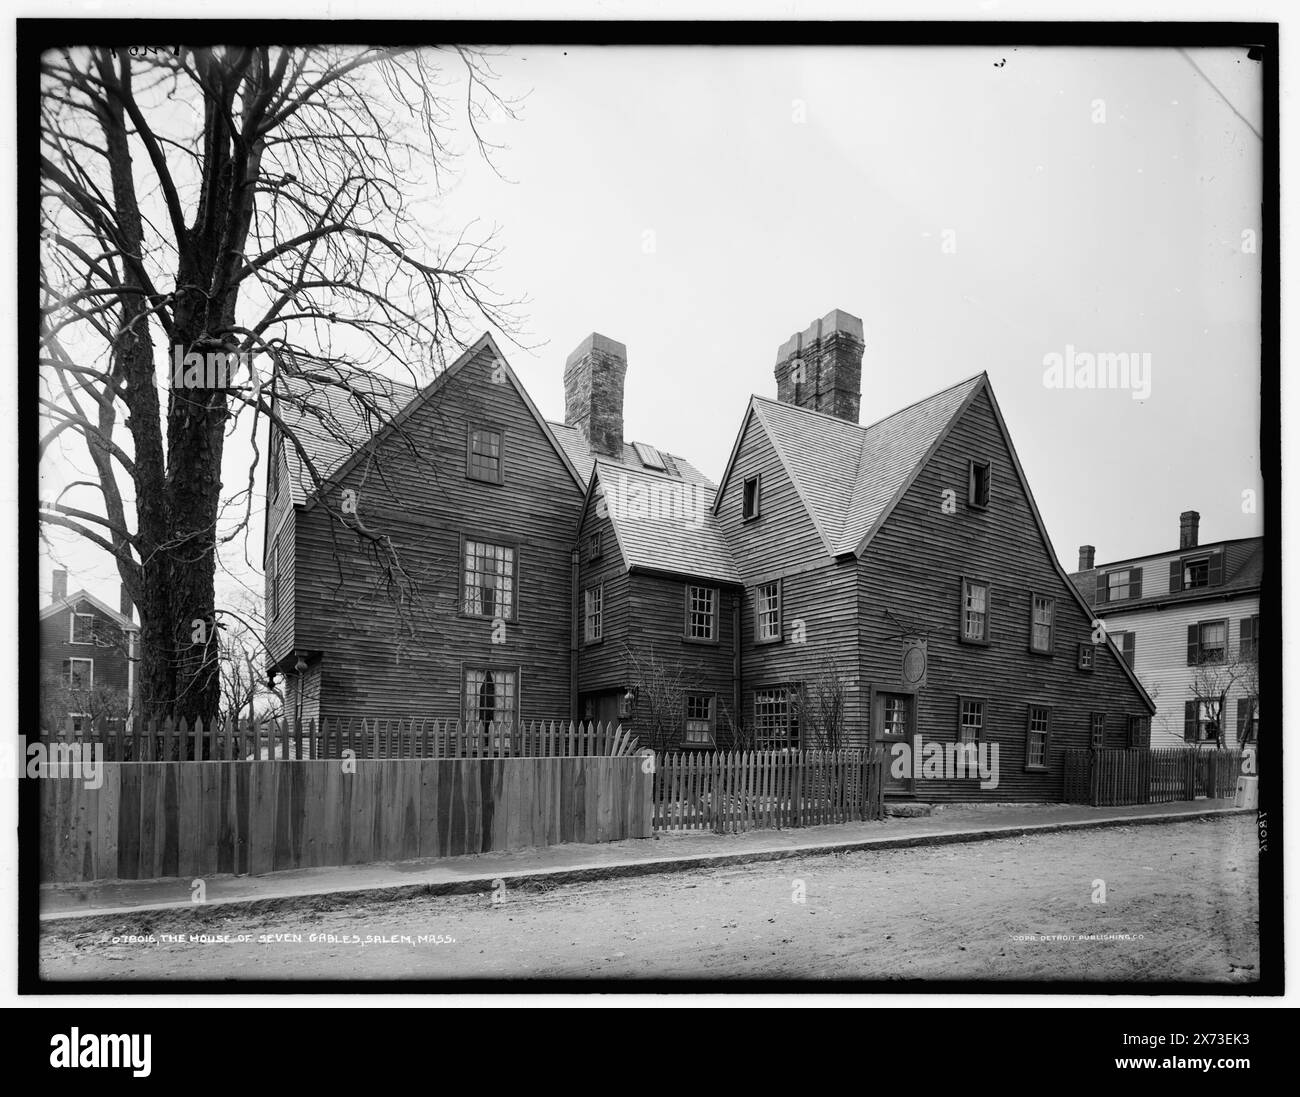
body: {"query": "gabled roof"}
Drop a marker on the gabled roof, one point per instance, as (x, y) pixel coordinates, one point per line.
(849, 477)
(73, 600)
(575, 445)
(662, 523)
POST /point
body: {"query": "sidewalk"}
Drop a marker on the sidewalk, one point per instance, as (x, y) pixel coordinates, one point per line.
(670, 852)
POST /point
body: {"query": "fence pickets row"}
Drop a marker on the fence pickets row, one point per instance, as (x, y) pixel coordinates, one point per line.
(728, 793)
(172, 740)
(1115, 778)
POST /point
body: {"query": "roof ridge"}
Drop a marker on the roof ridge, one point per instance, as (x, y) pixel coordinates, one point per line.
(883, 419)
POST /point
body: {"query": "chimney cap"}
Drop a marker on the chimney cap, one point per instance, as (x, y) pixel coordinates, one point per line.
(596, 341)
(835, 321)
(1189, 515)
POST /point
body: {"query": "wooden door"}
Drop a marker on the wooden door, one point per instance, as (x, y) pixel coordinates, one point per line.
(894, 719)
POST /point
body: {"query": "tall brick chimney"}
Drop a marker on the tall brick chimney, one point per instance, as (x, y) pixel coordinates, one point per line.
(821, 368)
(124, 603)
(1189, 529)
(593, 393)
(1087, 554)
(60, 585)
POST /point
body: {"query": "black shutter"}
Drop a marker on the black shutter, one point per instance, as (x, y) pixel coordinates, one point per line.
(1242, 704)
(1130, 640)
(1193, 645)
(1246, 637)
(1189, 721)
(1215, 578)
(1135, 583)
(1175, 576)
(1101, 590)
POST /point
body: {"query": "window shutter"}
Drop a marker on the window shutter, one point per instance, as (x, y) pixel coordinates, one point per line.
(1193, 645)
(1135, 583)
(1245, 634)
(1215, 578)
(1175, 576)
(1241, 716)
(1189, 721)
(1102, 590)
(1130, 642)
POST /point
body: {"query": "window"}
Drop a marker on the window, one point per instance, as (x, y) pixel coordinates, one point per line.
(650, 457)
(1139, 732)
(79, 722)
(595, 546)
(275, 578)
(489, 580)
(592, 627)
(1247, 720)
(701, 613)
(767, 613)
(491, 697)
(484, 458)
(1248, 638)
(970, 720)
(1124, 644)
(981, 479)
(1196, 573)
(1040, 718)
(1098, 730)
(1085, 657)
(974, 611)
(1207, 642)
(893, 715)
(79, 673)
(751, 500)
(81, 628)
(699, 719)
(1124, 585)
(1200, 722)
(1043, 614)
(776, 720)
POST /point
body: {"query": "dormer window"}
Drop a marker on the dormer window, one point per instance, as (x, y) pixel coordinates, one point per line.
(751, 501)
(1196, 573)
(980, 484)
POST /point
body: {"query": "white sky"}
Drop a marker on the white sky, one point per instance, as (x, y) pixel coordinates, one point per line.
(1119, 236)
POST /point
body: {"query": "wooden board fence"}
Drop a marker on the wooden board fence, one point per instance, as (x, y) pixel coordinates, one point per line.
(1113, 778)
(728, 793)
(186, 819)
(184, 740)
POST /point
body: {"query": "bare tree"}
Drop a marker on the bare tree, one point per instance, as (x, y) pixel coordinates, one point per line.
(661, 686)
(820, 702)
(1214, 678)
(245, 201)
(61, 699)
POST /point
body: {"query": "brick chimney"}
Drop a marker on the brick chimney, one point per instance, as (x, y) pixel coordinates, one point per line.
(60, 585)
(1189, 529)
(124, 603)
(1087, 554)
(821, 368)
(593, 393)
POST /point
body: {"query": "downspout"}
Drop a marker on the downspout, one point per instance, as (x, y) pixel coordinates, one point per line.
(573, 635)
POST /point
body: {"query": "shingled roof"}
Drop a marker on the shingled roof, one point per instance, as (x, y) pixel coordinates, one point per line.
(848, 476)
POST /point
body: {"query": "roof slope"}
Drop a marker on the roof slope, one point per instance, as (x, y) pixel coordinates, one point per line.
(75, 599)
(1248, 575)
(575, 445)
(663, 523)
(849, 476)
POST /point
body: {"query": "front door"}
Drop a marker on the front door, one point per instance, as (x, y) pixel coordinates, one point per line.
(893, 720)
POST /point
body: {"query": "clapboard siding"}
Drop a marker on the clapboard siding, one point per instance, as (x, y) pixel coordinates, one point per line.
(913, 568)
(1160, 658)
(280, 639)
(603, 665)
(380, 663)
(109, 652)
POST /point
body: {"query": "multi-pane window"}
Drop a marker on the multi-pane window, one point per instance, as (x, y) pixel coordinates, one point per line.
(79, 673)
(970, 721)
(751, 500)
(483, 461)
(1202, 722)
(981, 479)
(975, 610)
(595, 547)
(1036, 737)
(1249, 638)
(82, 628)
(1139, 732)
(1085, 657)
(275, 578)
(1044, 610)
(1124, 644)
(701, 613)
(1119, 585)
(893, 720)
(767, 612)
(699, 718)
(489, 580)
(1207, 642)
(1196, 573)
(491, 697)
(776, 719)
(1098, 730)
(593, 616)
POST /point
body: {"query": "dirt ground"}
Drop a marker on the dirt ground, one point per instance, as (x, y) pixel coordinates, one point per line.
(1181, 903)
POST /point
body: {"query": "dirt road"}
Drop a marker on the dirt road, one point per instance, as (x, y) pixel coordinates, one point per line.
(1181, 903)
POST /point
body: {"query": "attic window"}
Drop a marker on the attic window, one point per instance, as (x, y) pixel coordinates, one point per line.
(750, 507)
(981, 478)
(82, 628)
(650, 457)
(1196, 573)
(483, 457)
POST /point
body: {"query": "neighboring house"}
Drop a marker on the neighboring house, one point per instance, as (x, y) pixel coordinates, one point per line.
(896, 575)
(1187, 620)
(88, 656)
